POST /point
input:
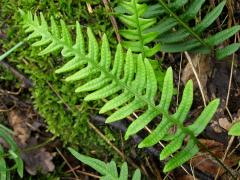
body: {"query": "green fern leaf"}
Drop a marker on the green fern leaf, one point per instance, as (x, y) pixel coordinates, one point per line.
(228, 50)
(137, 39)
(235, 129)
(14, 152)
(3, 165)
(175, 35)
(130, 84)
(136, 175)
(107, 170)
(98, 165)
(157, 9)
(124, 172)
(183, 156)
(182, 33)
(160, 132)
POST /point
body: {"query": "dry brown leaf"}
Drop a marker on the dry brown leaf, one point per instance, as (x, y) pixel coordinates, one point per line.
(186, 177)
(18, 122)
(205, 163)
(224, 123)
(38, 161)
(202, 65)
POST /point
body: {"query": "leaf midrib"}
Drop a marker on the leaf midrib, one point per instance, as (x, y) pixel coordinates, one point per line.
(139, 28)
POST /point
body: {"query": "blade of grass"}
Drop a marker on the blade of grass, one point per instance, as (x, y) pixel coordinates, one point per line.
(3, 56)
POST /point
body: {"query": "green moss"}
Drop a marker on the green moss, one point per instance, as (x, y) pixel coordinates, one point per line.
(63, 110)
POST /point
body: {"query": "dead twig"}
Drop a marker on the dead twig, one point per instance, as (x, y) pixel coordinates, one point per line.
(69, 165)
(113, 20)
(26, 83)
(196, 76)
(111, 144)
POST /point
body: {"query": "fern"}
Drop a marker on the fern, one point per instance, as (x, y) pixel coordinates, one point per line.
(129, 84)
(13, 153)
(235, 129)
(173, 31)
(107, 170)
(131, 14)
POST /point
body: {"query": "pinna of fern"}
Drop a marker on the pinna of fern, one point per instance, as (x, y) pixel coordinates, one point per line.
(127, 82)
(131, 14)
(107, 170)
(173, 32)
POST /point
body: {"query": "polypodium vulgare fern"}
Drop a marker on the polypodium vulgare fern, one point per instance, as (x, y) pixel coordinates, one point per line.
(129, 83)
(173, 32)
(107, 170)
(132, 16)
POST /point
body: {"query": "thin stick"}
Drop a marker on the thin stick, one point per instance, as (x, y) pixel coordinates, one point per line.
(26, 83)
(230, 80)
(111, 144)
(226, 107)
(225, 155)
(196, 76)
(39, 145)
(113, 20)
(89, 8)
(179, 77)
(89, 174)
(68, 164)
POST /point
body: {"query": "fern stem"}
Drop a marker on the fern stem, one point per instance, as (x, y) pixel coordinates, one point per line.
(139, 29)
(167, 9)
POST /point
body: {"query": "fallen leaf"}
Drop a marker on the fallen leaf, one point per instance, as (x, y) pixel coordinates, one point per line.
(224, 123)
(186, 177)
(36, 159)
(203, 68)
(205, 163)
(18, 122)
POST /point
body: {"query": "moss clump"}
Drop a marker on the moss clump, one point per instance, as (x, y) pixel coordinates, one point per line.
(64, 111)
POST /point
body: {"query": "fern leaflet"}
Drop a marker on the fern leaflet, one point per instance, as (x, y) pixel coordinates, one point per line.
(107, 170)
(131, 14)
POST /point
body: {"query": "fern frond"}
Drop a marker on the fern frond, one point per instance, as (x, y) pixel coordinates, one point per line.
(107, 170)
(129, 83)
(136, 38)
(174, 34)
(179, 38)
